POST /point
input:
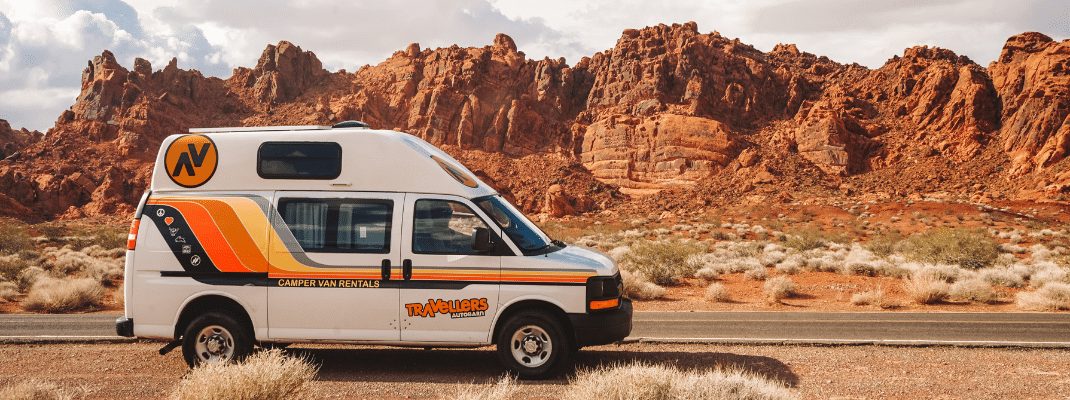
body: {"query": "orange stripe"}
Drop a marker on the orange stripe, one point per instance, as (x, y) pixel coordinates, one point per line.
(348, 276)
(236, 234)
(207, 233)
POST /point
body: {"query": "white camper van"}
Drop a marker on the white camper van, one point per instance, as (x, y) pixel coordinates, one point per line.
(344, 234)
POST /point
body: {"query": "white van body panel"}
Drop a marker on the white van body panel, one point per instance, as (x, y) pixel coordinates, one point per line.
(227, 236)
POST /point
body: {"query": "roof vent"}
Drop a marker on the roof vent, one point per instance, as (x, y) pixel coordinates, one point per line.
(351, 124)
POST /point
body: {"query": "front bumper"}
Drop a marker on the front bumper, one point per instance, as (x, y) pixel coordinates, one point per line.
(603, 327)
(124, 326)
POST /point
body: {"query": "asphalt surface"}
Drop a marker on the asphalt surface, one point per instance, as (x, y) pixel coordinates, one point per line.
(892, 328)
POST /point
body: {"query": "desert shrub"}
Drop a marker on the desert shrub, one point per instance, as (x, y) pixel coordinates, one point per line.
(779, 288)
(50, 230)
(663, 262)
(8, 291)
(1002, 277)
(970, 249)
(884, 245)
(926, 290)
(1052, 296)
(790, 266)
(28, 277)
(11, 266)
(756, 274)
(717, 293)
(52, 295)
(264, 375)
(659, 382)
(13, 238)
(33, 390)
(707, 274)
(637, 287)
(974, 290)
(812, 238)
(871, 298)
(503, 390)
(940, 272)
(1051, 274)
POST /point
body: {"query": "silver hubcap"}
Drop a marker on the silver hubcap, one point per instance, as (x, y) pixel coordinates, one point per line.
(214, 344)
(531, 346)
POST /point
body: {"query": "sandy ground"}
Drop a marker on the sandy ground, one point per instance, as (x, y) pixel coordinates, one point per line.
(357, 372)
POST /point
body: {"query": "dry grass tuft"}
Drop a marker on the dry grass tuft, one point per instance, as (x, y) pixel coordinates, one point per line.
(926, 290)
(872, 298)
(717, 293)
(51, 295)
(1051, 296)
(8, 291)
(505, 389)
(637, 287)
(779, 288)
(974, 290)
(658, 382)
(756, 274)
(264, 375)
(33, 390)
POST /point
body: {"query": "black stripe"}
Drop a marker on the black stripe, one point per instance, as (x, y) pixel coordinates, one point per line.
(222, 278)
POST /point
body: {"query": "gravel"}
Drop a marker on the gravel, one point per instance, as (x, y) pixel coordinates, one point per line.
(135, 370)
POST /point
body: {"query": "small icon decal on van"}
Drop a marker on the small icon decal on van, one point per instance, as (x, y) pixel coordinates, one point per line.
(191, 160)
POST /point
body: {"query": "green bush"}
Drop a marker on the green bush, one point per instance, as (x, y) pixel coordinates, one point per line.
(884, 245)
(110, 237)
(13, 238)
(970, 249)
(812, 238)
(664, 262)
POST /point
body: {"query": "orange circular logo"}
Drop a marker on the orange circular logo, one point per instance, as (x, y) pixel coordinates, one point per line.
(191, 160)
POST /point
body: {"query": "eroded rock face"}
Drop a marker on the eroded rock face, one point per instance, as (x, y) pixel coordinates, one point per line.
(1032, 79)
(657, 152)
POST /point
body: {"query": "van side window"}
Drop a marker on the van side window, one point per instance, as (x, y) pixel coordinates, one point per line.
(444, 227)
(299, 160)
(339, 225)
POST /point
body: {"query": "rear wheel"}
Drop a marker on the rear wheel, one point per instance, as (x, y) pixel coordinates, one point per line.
(533, 344)
(215, 337)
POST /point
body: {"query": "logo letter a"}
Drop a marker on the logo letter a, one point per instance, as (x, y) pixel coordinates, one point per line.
(184, 161)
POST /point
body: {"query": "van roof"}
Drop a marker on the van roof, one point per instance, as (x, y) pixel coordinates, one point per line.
(371, 160)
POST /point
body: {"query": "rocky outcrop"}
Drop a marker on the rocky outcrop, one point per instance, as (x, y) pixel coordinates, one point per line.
(667, 108)
(1032, 79)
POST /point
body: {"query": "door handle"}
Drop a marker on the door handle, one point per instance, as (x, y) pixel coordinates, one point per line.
(386, 269)
(406, 269)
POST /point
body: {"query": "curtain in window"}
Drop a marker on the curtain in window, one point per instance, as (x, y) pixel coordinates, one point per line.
(308, 222)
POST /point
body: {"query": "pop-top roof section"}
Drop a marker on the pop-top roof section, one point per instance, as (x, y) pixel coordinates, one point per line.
(346, 124)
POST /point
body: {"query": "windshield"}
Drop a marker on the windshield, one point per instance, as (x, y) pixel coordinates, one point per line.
(523, 232)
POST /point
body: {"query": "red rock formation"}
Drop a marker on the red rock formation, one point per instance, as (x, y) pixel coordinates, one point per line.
(667, 107)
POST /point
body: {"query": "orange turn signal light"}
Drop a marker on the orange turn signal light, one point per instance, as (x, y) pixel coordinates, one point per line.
(602, 304)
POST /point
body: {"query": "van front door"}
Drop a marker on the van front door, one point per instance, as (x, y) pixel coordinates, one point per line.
(449, 290)
(331, 262)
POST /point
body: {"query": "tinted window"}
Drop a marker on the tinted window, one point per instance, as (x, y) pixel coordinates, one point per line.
(299, 160)
(444, 227)
(339, 225)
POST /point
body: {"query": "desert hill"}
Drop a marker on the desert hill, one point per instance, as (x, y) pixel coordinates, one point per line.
(688, 118)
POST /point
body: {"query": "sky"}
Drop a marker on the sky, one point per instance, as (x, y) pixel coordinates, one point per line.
(45, 44)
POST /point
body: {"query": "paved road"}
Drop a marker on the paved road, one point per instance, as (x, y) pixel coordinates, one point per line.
(1025, 329)
(1032, 329)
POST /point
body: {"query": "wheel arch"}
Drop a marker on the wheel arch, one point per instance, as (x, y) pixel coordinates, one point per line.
(199, 305)
(535, 304)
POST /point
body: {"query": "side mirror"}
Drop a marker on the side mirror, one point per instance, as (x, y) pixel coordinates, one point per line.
(481, 242)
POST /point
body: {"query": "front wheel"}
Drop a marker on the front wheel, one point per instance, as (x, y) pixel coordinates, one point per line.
(533, 344)
(215, 337)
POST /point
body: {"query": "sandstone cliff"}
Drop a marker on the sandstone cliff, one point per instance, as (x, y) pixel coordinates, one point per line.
(696, 116)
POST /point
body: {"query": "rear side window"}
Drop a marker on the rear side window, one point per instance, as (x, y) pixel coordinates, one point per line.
(299, 160)
(339, 225)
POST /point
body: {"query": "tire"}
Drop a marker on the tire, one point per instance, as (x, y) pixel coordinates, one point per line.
(533, 344)
(215, 337)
